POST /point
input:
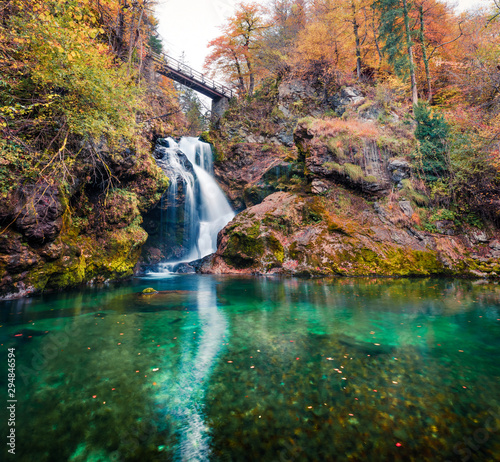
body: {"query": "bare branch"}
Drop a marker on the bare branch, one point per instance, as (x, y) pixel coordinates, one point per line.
(162, 116)
(450, 41)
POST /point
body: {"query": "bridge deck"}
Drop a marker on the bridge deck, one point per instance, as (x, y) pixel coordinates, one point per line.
(185, 75)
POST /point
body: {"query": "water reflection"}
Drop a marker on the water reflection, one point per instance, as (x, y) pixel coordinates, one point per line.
(195, 370)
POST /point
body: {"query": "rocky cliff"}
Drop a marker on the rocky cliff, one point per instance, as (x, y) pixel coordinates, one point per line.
(343, 200)
(86, 229)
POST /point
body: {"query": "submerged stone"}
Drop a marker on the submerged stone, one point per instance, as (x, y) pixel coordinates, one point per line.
(365, 347)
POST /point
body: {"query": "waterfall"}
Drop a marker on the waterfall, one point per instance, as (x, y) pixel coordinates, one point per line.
(196, 208)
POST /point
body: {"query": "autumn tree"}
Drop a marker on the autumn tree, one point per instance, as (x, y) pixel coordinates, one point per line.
(323, 47)
(235, 52)
(359, 20)
(287, 19)
(438, 30)
(130, 28)
(63, 88)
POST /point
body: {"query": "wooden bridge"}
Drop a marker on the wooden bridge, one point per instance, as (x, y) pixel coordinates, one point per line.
(185, 75)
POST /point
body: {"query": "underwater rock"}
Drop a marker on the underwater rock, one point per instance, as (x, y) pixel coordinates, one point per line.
(163, 300)
(28, 333)
(361, 346)
(162, 293)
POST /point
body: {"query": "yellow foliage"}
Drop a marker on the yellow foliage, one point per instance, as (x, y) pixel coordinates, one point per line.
(55, 46)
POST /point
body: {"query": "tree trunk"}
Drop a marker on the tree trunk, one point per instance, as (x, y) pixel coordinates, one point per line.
(409, 45)
(375, 38)
(120, 31)
(356, 37)
(251, 76)
(424, 53)
(134, 36)
(241, 81)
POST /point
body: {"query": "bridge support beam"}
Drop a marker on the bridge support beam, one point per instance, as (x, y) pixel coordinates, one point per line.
(219, 106)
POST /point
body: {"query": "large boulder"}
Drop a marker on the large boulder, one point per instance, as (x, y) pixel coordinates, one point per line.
(37, 212)
(307, 235)
(399, 170)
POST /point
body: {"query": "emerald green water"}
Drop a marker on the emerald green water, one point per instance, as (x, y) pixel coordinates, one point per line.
(255, 369)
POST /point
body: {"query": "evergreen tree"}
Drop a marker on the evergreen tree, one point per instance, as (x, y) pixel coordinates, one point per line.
(193, 110)
(155, 44)
(395, 31)
(432, 133)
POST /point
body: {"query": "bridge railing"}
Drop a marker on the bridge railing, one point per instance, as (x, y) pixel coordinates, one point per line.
(187, 71)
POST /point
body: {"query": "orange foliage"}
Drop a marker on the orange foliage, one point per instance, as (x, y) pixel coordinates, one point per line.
(354, 128)
(235, 52)
(415, 218)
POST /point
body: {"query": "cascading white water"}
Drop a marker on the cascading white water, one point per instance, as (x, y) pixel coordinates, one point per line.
(189, 166)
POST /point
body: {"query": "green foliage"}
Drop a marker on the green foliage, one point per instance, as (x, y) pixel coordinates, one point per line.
(73, 76)
(392, 29)
(14, 162)
(192, 108)
(353, 171)
(312, 212)
(334, 166)
(443, 214)
(432, 133)
(474, 185)
(474, 220)
(155, 44)
(412, 194)
(430, 227)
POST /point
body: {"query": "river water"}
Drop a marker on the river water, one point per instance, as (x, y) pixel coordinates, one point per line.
(257, 369)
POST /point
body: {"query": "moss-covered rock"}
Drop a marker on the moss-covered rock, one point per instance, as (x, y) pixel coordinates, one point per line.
(149, 290)
(78, 234)
(304, 235)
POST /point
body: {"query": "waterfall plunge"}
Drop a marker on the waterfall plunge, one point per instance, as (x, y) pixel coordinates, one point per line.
(193, 198)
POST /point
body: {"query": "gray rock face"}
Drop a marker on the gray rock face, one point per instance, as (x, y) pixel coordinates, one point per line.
(297, 98)
(348, 95)
(495, 245)
(445, 227)
(479, 236)
(318, 187)
(399, 170)
(406, 208)
(295, 90)
(371, 113)
(286, 138)
(352, 94)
